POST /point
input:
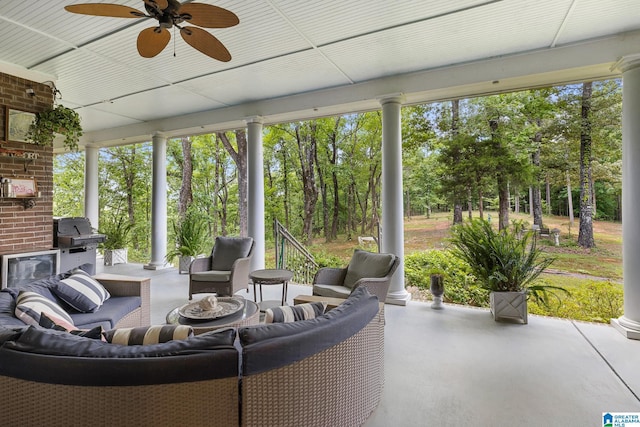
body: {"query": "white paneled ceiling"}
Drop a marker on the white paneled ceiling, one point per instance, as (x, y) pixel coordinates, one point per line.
(293, 59)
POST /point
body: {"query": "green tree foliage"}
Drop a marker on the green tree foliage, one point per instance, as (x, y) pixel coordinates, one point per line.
(68, 185)
(125, 191)
(323, 177)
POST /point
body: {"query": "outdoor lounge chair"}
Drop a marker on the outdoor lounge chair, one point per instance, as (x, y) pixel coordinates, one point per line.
(368, 269)
(226, 271)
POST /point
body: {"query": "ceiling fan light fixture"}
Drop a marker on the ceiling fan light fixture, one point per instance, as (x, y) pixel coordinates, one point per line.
(169, 14)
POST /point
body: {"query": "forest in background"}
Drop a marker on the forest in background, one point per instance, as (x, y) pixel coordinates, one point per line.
(322, 177)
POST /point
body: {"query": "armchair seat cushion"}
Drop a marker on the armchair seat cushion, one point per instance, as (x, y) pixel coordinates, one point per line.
(367, 264)
(211, 276)
(332, 291)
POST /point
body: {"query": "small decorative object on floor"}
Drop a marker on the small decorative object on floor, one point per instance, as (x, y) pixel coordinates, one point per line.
(437, 290)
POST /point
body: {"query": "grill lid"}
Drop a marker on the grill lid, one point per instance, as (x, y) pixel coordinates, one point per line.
(72, 226)
(74, 231)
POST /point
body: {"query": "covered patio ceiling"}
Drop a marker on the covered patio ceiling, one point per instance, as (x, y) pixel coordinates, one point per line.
(294, 59)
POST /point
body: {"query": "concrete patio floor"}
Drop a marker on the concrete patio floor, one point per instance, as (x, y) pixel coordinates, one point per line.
(457, 367)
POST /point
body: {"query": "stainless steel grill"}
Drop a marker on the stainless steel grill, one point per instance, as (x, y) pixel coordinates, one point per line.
(77, 242)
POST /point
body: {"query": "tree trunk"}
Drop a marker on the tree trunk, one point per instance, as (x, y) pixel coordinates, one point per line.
(503, 202)
(285, 182)
(455, 117)
(240, 159)
(548, 194)
(585, 237)
(469, 203)
(186, 194)
(324, 201)
(457, 213)
(216, 188)
(593, 198)
(536, 199)
(480, 203)
(502, 181)
(569, 199)
(307, 146)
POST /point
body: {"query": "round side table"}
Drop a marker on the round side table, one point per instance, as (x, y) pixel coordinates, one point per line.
(270, 277)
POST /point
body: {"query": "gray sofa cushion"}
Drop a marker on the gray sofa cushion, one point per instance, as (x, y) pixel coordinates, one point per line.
(274, 345)
(10, 334)
(8, 310)
(367, 264)
(61, 358)
(226, 250)
(113, 309)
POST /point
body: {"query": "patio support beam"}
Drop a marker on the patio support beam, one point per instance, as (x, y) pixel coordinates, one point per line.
(158, 203)
(392, 200)
(255, 193)
(629, 323)
(91, 206)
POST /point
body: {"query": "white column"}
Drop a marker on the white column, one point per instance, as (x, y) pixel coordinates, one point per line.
(629, 323)
(255, 196)
(91, 208)
(158, 203)
(392, 200)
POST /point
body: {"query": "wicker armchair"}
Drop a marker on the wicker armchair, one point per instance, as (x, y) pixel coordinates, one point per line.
(368, 269)
(226, 270)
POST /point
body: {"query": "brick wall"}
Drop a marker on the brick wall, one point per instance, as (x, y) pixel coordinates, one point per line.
(21, 229)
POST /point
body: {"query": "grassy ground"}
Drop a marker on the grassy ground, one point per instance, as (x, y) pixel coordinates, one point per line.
(421, 233)
(575, 269)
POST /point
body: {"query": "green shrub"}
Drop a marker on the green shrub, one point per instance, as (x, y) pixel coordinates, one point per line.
(459, 285)
(593, 301)
(328, 260)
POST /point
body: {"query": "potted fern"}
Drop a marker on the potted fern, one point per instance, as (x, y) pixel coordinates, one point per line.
(505, 265)
(56, 120)
(190, 238)
(115, 249)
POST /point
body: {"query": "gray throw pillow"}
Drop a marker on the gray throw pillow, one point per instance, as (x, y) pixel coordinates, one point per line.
(227, 250)
(367, 265)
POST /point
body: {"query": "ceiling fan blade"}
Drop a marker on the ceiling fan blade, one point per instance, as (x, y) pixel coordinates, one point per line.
(105, 9)
(162, 4)
(208, 16)
(152, 41)
(206, 43)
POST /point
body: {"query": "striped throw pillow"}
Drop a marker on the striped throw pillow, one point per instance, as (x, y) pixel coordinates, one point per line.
(154, 334)
(57, 324)
(81, 292)
(29, 306)
(293, 313)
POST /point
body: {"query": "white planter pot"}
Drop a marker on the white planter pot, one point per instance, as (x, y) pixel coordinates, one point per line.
(511, 306)
(115, 256)
(184, 262)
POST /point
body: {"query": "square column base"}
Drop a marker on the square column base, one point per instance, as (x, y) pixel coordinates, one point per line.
(629, 333)
(398, 298)
(156, 266)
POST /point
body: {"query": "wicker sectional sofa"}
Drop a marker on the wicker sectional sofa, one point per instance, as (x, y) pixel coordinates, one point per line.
(323, 371)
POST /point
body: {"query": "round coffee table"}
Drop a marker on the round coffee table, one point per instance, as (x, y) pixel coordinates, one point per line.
(270, 277)
(249, 315)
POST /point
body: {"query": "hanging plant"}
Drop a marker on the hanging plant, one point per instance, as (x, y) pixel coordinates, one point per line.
(57, 120)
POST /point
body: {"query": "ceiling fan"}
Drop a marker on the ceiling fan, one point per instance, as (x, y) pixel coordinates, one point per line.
(170, 13)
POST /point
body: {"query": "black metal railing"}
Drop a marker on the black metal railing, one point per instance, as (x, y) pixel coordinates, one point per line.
(293, 256)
